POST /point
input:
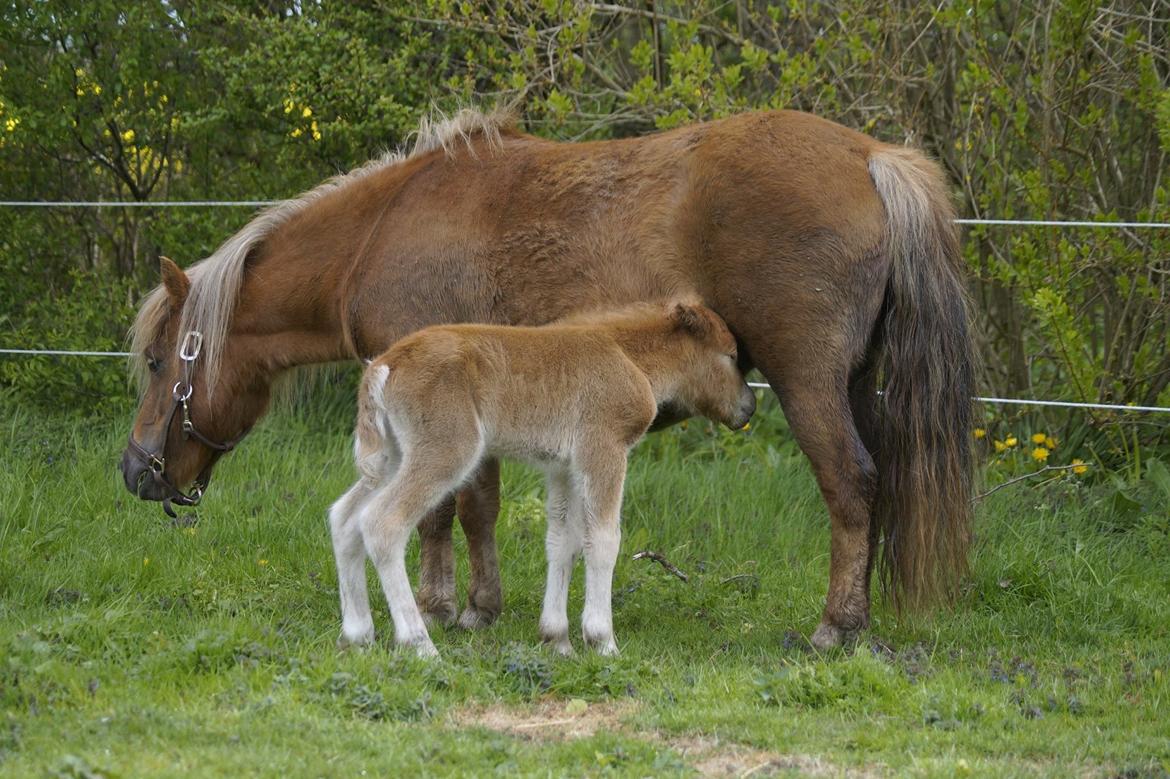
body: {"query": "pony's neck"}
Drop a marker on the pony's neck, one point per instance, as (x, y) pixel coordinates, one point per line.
(292, 308)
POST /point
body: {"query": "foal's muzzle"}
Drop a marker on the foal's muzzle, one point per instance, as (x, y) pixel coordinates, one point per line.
(747, 407)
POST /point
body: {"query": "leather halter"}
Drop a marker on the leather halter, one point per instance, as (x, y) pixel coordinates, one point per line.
(156, 463)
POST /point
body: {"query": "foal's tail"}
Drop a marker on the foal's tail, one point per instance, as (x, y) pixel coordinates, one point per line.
(925, 362)
(369, 435)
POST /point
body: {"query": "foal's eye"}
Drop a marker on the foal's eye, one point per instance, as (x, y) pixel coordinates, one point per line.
(153, 365)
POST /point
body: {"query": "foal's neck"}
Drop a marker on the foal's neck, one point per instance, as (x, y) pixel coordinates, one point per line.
(653, 355)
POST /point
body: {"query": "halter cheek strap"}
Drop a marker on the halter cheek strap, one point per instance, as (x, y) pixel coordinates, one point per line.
(156, 463)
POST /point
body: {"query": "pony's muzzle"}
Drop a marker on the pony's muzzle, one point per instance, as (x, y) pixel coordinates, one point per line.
(138, 480)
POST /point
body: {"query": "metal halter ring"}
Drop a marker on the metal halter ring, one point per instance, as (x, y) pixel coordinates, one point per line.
(185, 396)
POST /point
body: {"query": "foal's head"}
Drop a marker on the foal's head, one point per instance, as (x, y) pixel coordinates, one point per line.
(711, 383)
(188, 415)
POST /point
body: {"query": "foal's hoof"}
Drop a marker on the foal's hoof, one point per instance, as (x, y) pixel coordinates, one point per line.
(423, 647)
(474, 618)
(559, 644)
(602, 645)
(828, 636)
(356, 641)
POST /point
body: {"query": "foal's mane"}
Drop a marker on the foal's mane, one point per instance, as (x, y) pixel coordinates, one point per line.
(216, 280)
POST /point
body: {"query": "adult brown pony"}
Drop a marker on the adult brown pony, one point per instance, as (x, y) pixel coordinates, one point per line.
(832, 257)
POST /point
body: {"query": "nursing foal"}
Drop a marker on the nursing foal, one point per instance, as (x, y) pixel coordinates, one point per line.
(571, 397)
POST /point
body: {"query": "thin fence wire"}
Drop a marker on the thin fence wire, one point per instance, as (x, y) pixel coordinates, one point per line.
(758, 385)
(753, 384)
(261, 203)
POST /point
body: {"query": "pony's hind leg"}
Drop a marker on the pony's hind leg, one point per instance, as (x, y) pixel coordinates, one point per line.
(823, 424)
(478, 506)
(563, 542)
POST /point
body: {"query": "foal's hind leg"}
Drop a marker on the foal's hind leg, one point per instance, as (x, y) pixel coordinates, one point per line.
(478, 507)
(432, 467)
(357, 625)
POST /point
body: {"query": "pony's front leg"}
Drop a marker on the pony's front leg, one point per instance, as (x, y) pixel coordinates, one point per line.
(602, 476)
(563, 543)
(436, 569)
(478, 507)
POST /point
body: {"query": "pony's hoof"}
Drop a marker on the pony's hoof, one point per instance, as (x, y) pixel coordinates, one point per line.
(441, 615)
(474, 618)
(828, 636)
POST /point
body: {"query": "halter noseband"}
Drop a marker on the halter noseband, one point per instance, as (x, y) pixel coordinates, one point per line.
(156, 463)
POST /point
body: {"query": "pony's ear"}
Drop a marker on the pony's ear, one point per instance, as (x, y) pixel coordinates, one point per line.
(175, 281)
(688, 317)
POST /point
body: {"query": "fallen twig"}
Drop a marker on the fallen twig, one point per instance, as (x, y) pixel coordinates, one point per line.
(1045, 469)
(661, 560)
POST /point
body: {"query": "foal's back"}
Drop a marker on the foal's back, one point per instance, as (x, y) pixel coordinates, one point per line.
(528, 392)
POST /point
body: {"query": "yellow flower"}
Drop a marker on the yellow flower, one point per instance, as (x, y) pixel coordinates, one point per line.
(306, 112)
(1079, 467)
(10, 124)
(314, 131)
(261, 561)
(79, 72)
(1000, 446)
(297, 132)
(97, 89)
(1011, 441)
(1038, 438)
(1050, 442)
(145, 561)
(189, 531)
(1040, 453)
(289, 105)
(746, 426)
(980, 432)
(128, 136)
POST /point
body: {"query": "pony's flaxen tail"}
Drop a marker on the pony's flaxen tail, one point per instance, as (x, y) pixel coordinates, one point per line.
(925, 364)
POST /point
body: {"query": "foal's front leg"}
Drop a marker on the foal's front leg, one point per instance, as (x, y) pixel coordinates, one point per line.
(563, 541)
(603, 473)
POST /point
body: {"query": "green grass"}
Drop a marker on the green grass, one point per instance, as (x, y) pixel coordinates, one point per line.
(133, 647)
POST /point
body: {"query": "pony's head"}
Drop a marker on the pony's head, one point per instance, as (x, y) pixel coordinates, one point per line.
(197, 398)
(713, 384)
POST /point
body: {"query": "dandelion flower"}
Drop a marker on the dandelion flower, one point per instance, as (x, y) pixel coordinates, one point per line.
(1000, 446)
(1038, 438)
(980, 432)
(1050, 442)
(306, 112)
(297, 132)
(1011, 441)
(145, 561)
(1040, 454)
(1079, 467)
(128, 136)
(261, 561)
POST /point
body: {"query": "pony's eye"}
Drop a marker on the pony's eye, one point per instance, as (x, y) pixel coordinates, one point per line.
(152, 364)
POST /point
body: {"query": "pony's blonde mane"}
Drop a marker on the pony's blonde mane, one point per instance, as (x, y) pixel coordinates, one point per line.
(216, 280)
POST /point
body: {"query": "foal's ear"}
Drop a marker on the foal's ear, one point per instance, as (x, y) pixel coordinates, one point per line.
(175, 281)
(688, 317)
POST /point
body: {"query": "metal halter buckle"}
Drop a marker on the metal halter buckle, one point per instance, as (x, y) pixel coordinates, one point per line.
(192, 344)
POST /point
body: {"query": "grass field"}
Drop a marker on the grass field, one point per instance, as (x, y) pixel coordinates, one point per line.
(131, 645)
